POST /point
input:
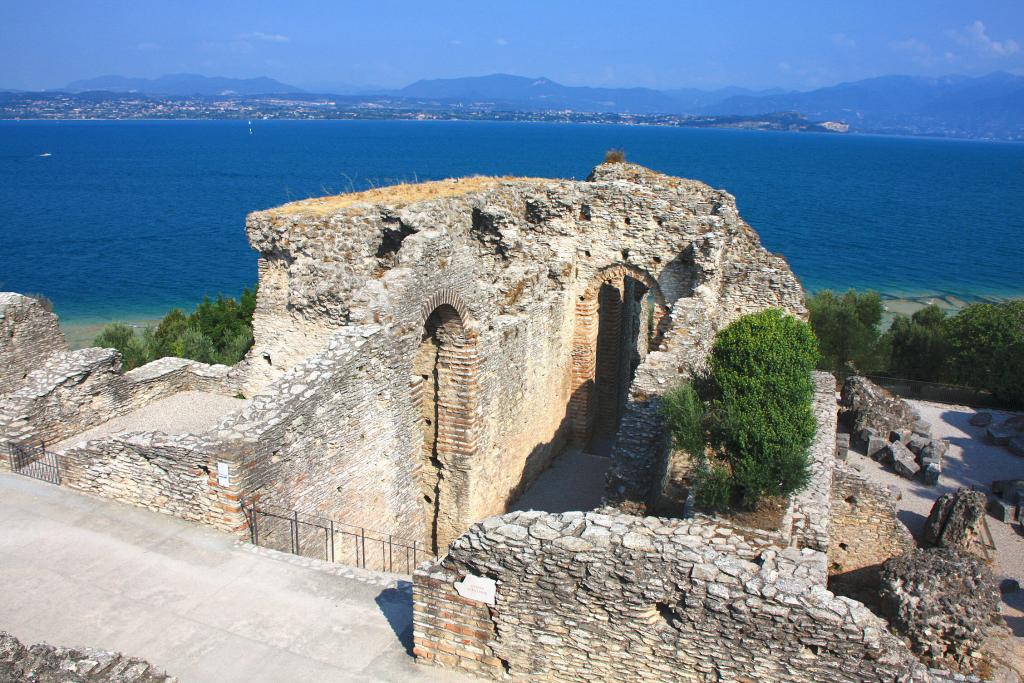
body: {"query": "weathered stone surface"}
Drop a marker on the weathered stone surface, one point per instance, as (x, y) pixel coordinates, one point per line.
(932, 472)
(943, 601)
(981, 419)
(876, 448)
(1016, 445)
(866, 405)
(48, 664)
(903, 461)
(1001, 510)
(957, 521)
(29, 334)
(664, 600)
(842, 445)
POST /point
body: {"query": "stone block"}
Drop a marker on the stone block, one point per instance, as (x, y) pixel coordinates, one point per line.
(932, 471)
(1016, 445)
(917, 444)
(903, 461)
(1000, 509)
(922, 428)
(877, 448)
(842, 445)
(864, 435)
(981, 419)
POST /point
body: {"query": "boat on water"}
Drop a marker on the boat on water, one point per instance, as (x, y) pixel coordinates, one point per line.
(46, 154)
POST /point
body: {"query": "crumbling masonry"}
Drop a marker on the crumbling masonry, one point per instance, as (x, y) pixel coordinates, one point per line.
(422, 353)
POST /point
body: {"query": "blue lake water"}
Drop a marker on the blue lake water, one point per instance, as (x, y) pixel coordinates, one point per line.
(127, 219)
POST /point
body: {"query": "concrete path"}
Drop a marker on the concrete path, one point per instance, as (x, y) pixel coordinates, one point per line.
(82, 571)
(187, 412)
(575, 481)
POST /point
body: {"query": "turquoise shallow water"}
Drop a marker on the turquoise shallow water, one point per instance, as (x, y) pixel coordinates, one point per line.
(127, 219)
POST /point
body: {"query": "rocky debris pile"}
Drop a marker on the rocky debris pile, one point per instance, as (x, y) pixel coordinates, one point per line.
(1009, 433)
(957, 521)
(44, 663)
(867, 406)
(943, 602)
(891, 432)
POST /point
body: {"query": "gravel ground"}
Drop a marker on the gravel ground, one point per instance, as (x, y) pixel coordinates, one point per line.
(188, 412)
(575, 481)
(971, 462)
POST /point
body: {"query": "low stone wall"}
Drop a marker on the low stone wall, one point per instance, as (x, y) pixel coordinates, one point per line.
(863, 528)
(28, 335)
(174, 475)
(812, 507)
(46, 663)
(75, 391)
(596, 597)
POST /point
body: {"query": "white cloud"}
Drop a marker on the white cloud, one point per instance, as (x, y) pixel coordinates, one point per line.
(266, 37)
(500, 41)
(975, 35)
(919, 51)
(843, 40)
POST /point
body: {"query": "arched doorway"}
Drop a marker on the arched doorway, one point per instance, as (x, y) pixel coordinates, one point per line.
(444, 388)
(618, 321)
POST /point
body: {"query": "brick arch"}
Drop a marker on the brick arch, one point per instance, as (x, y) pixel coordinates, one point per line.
(590, 356)
(444, 390)
(442, 297)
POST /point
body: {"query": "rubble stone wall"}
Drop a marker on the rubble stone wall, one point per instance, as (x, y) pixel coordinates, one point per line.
(28, 335)
(72, 392)
(863, 528)
(513, 258)
(42, 662)
(611, 597)
(172, 474)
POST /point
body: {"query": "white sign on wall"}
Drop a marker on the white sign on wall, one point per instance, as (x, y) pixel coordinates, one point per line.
(223, 476)
(478, 588)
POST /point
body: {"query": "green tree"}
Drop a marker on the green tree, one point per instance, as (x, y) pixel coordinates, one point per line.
(218, 331)
(918, 345)
(123, 338)
(986, 349)
(848, 330)
(761, 403)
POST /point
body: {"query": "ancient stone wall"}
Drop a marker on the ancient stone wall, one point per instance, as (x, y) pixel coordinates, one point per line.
(514, 259)
(171, 474)
(47, 663)
(864, 531)
(72, 392)
(28, 335)
(610, 597)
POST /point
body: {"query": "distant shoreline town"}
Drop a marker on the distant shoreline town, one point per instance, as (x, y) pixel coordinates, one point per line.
(121, 107)
(978, 108)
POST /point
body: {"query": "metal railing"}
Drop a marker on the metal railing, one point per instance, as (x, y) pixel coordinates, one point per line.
(291, 531)
(33, 460)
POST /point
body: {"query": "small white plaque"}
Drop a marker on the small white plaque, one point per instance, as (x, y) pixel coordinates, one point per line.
(223, 477)
(478, 588)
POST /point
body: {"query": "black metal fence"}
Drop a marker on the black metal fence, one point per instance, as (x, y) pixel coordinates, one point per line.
(293, 532)
(33, 460)
(935, 391)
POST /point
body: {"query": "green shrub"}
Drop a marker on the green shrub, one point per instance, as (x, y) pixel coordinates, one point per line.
(218, 331)
(684, 416)
(917, 346)
(713, 489)
(848, 330)
(761, 405)
(986, 349)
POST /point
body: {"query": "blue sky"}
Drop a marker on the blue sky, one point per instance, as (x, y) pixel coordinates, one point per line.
(802, 45)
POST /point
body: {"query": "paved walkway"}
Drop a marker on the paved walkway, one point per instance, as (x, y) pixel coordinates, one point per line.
(82, 571)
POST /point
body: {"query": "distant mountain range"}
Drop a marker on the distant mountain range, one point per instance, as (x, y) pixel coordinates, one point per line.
(184, 85)
(962, 106)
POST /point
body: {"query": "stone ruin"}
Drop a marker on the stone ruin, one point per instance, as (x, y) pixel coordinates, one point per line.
(42, 663)
(423, 353)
